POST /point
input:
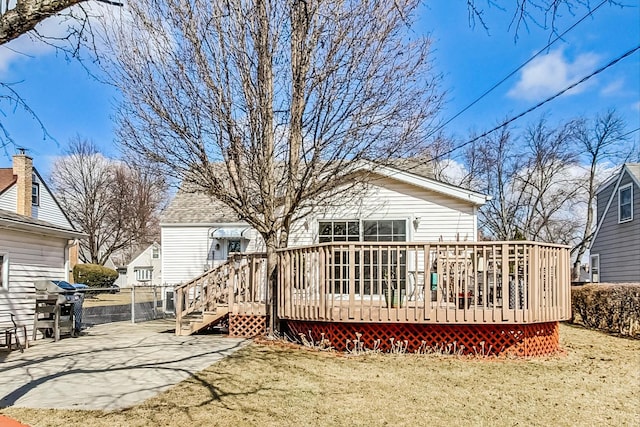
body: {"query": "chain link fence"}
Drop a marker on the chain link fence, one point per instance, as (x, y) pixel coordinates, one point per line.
(135, 304)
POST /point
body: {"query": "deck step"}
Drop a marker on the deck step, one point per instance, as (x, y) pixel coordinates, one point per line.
(197, 322)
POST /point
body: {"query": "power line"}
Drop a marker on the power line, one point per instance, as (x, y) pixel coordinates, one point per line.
(541, 103)
(629, 133)
(485, 93)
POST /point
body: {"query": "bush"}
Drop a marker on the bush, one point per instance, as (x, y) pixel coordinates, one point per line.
(608, 307)
(94, 275)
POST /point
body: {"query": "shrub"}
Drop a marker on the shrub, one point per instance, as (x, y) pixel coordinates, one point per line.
(94, 275)
(608, 307)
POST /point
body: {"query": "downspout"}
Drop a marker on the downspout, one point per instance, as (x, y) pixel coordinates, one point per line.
(69, 261)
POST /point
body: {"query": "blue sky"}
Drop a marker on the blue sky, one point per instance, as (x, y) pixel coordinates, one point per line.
(69, 101)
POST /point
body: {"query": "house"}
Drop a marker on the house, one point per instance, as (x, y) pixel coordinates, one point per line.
(615, 247)
(145, 268)
(199, 233)
(37, 240)
(395, 263)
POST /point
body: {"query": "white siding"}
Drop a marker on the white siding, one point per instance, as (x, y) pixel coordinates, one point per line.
(184, 253)
(441, 217)
(31, 257)
(145, 259)
(185, 247)
(9, 199)
(48, 210)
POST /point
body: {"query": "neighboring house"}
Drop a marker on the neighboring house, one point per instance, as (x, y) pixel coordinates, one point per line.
(144, 268)
(615, 248)
(198, 232)
(37, 240)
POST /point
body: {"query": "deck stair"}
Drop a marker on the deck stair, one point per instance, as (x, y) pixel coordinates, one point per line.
(197, 321)
(235, 287)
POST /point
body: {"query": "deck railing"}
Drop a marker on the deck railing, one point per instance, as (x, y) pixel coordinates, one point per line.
(487, 282)
(245, 274)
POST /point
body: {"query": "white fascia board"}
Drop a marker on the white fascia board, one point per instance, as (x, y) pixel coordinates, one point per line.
(204, 224)
(40, 229)
(477, 199)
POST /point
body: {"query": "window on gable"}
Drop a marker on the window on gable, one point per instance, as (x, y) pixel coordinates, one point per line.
(35, 194)
(155, 252)
(625, 203)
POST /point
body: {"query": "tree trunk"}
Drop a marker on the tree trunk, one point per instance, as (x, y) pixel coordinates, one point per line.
(272, 283)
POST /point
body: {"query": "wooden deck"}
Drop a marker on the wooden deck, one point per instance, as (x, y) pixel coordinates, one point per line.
(415, 283)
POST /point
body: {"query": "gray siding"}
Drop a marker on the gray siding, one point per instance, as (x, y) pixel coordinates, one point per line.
(618, 244)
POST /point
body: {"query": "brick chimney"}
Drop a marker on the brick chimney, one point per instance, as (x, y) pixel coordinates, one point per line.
(23, 170)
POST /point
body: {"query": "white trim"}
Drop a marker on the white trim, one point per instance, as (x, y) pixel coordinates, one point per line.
(620, 190)
(5, 270)
(593, 257)
(606, 210)
(426, 183)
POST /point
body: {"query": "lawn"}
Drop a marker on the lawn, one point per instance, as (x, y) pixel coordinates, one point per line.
(597, 382)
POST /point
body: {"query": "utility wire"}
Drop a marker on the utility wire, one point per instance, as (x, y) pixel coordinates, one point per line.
(485, 93)
(541, 103)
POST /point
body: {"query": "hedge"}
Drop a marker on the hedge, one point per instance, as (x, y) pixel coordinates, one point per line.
(609, 307)
(94, 275)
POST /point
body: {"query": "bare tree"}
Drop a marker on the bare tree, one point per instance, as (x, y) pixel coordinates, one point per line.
(530, 178)
(265, 105)
(598, 140)
(524, 13)
(115, 205)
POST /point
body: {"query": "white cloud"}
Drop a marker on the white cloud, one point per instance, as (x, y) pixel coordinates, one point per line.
(546, 75)
(613, 88)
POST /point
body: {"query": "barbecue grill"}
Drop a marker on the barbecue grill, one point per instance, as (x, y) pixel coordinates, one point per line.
(54, 314)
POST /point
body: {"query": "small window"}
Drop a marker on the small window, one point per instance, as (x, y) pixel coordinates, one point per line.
(143, 274)
(595, 268)
(234, 247)
(625, 203)
(4, 271)
(35, 194)
(155, 252)
(385, 231)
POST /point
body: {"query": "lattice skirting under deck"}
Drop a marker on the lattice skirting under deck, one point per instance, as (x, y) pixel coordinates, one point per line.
(247, 326)
(537, 339)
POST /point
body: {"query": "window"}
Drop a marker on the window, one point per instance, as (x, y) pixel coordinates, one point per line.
(625, 203)
(4, 271)
(35, 194)
(595, 268)
(385, 231)
(338, 231)
(155, 252)
(234, 246)
(143, 274)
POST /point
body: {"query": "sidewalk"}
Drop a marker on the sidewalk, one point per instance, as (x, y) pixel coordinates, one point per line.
(111, 366)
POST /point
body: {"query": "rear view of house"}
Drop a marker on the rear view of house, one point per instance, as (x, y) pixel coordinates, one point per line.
(615, 248)
(37, 240)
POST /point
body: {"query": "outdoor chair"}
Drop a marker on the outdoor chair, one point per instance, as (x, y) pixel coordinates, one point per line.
(11, 334)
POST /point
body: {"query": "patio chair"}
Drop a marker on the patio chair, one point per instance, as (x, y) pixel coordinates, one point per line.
(11, 334)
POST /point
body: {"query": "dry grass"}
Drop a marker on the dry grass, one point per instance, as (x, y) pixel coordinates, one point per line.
(596, 383)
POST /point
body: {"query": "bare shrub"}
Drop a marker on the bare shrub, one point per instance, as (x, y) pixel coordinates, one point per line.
(608, 307)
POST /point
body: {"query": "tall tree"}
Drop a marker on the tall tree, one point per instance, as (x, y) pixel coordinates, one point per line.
(115, 205)
(598, 140)
(266, 105)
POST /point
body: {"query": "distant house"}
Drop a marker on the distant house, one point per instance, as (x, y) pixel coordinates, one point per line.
(145, 268)
(615, 248)
(199, 233)
(37, 240)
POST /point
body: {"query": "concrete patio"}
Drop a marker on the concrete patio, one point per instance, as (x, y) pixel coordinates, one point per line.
(111, 366)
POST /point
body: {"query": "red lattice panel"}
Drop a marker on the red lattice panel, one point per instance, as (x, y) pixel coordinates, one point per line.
(521, 340)
(247, 326)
